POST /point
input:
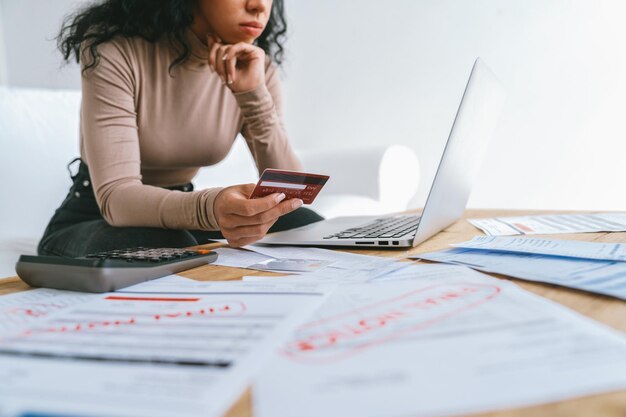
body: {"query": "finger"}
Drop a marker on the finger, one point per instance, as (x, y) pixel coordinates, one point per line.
(212, 54)
(230, 64)
(219, 63)
(247, 189)
(223, 63)
(285, 207)
(237, 52)
(234, 242)
(234, 221)
(238, 243)
(243, 50)
(270, 215)
(240, 240)
(210, 40)
(252, 207)
(255, 231)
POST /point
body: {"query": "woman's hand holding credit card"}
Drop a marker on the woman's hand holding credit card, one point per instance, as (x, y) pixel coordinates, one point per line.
(245, 212)
(243, 221)
(293, 184)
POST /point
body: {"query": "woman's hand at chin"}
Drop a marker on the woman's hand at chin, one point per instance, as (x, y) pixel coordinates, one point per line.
(243, 221)
(241, 66)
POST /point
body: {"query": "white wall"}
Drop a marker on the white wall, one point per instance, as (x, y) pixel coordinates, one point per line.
(30, 27)
(393, 72)
(3, 66)
(373, 71)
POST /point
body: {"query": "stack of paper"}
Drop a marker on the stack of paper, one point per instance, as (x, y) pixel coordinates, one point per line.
(440, 341)
(396, 338)
(322, 265)
(552, 223)
(587, 266)
(566, 248)
(163, 349)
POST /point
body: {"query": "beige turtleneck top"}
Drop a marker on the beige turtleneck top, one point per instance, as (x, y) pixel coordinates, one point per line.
(143, 128)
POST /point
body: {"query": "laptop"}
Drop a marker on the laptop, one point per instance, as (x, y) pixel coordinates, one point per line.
(473, 127)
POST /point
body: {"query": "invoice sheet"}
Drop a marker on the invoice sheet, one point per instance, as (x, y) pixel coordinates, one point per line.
(602, 277)
(349, 277)
(238, 258)
(552, 224)
(153, 353)
(437, 346)
(340, 259)
(552, 247)
(243, 258)
(343, 267)
(410, 272)
(336, 276)
(20, 309)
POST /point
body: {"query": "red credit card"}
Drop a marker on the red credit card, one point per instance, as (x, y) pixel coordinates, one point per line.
(294, 184)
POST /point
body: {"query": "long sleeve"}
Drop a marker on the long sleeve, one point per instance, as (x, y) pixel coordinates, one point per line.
(263, 126)
(110, 145)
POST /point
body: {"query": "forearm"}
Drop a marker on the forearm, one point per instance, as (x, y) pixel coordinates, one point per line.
(132, 204)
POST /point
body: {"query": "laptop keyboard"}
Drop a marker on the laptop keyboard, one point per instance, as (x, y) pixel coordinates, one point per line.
(385, 227)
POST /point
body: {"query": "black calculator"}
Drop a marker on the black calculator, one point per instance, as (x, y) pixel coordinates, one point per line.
(108, 271)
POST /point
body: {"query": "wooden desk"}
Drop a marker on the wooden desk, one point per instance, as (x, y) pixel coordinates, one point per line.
(603, 309)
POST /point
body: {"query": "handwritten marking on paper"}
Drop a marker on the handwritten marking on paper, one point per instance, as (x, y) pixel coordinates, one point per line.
(343, 335)
(221, 309)
(35, 309)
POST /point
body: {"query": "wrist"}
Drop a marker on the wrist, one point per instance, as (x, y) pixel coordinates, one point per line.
(255, 102)
(206, 213)
(240, 86)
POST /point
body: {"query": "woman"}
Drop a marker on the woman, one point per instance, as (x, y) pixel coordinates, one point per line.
(166, 87)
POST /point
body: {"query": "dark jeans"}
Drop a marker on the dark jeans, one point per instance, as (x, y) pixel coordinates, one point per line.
(77, 227)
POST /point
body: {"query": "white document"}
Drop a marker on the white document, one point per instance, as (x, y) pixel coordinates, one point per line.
(210, 287)
(552, 224)
(22, 308)
(334, 276)
(320, 265)
(344, 260)
(290, 265)
(166, 282)
(411, 272)
(262, 278)
(552, 247)
(602, 277)
(238, 258)
(437, 346)
(343, 267)
(243, 258)
(189, 353)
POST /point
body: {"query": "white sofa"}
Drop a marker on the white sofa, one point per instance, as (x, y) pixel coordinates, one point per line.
(39, 136)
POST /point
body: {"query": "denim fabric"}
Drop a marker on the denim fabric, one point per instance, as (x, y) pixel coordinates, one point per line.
(77, 227)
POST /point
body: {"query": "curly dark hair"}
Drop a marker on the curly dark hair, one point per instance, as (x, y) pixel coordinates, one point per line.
(101, 21)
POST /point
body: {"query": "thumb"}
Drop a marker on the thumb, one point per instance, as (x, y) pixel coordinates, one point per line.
(246, 189)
